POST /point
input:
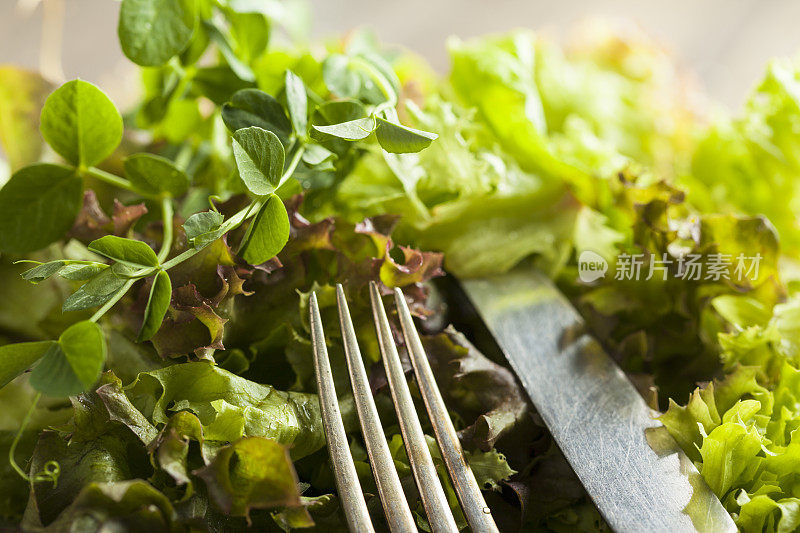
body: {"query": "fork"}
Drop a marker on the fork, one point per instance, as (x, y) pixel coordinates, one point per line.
(434, 501)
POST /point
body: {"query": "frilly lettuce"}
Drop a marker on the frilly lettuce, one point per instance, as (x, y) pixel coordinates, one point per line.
(206, 439)
(531, 94)
(541, 152)
(741, 430)
(229, 407)
(522, 145)
(744, 164)
(549, 153)
(460, 198)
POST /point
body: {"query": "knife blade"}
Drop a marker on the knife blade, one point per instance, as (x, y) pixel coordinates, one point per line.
(631, 467)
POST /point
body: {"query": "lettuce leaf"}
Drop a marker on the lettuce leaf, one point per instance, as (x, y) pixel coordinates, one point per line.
(743, 164)
(741, 430)
(460, 198)
(522, 145)
(252, 472)
(230, 407)
(542, 153)
(129, 505)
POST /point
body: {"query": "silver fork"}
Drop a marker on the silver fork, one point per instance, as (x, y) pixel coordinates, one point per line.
(396, 509)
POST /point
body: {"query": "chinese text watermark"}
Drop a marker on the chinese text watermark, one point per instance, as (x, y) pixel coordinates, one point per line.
(696, 267)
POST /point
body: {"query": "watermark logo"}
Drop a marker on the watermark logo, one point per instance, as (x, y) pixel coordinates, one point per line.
(712, 267)
(739, 269)
(591, 266)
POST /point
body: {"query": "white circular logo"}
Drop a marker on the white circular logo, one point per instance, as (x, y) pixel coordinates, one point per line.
(591, 266)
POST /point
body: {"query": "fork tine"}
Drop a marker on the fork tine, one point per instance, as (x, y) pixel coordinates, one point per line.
(395, 506)
(431, 493)
(353, 504)
(469, 494)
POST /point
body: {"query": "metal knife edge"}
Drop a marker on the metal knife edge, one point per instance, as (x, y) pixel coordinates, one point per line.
(632, 469)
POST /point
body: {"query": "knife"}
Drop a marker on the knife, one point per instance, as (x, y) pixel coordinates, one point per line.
(631, 467)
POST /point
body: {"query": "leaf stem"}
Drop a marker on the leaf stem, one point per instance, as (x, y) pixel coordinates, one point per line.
(166, 246)
(184, 156)
(51, 469)
(382, 107)
(18, 436)
(109, 304)
(66, 262)
(298, 154)
(175, 65)
(226, 226)
(167, 213)
(111, 179)
(166, 242)
(185, 75)
(239, 217)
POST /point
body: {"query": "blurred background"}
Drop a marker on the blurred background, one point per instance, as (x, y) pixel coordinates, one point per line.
(724, 44)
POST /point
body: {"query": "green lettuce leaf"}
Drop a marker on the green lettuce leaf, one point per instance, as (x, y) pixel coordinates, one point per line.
(229, 407)
(460, 198)
(130, 505)
(252, 472)
(743, 164)
(741, 430)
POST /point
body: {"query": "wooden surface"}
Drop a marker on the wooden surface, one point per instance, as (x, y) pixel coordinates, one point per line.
(725, 42)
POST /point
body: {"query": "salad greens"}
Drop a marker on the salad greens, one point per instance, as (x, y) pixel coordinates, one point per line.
(171, 380)
(531, 162)
(159, 374)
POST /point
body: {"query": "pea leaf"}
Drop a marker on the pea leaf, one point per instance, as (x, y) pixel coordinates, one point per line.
(292, 17)
(65, 268)
(381, 65)
(297, 102)
(78, 272)
(203, 228)
(128, 251)
(153, 31)
(339, 77)
(259, 156)
(267, 234)
(239, 68)
(353, 130)
(399, 139)
(153, 174)
(250, 32)
(339, 111)
(43, 271)
(335, 112)
(38, 205)
(199, 42)
(74, 363)
(316, 154)
(252, 107)
(157, 305)
(97, 291)
(16, 358)
(81, 123)
(218, 83)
